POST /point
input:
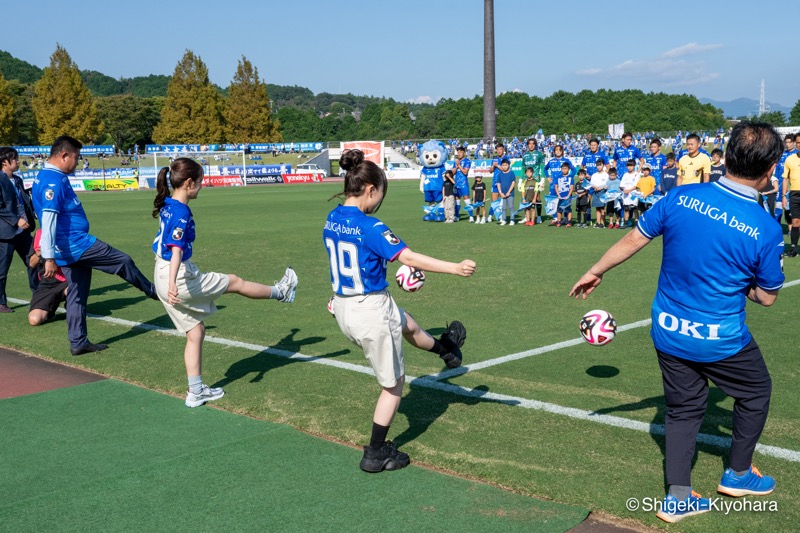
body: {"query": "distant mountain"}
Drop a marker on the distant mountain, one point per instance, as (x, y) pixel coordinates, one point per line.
(17, 69)
(742, 107)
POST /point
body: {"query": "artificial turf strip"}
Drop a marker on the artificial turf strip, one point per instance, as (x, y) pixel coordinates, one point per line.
(114, 457)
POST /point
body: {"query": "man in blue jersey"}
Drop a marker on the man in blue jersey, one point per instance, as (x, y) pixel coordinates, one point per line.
(791, 148)
(720, 248)
(496, 171)
(66, 242)
(461, 191)
(553, 170)
(657, 162)
(589, 161)
(625, 152)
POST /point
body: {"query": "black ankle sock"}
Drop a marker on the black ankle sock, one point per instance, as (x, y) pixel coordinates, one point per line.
(379, 433)
(795, 234)
(438, 348)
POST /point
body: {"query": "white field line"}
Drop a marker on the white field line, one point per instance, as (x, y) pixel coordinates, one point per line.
(433, 382)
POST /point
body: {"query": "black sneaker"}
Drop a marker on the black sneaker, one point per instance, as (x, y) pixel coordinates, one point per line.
(792, 252)
(453, 339)
(88, 348)
(387, 458)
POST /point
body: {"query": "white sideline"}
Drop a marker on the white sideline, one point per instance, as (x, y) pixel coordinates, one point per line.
(433, 382)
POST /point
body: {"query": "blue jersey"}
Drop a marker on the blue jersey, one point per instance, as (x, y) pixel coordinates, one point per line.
(589, 162)
(53, 192)
(623, 155)
(553, 171)
(496, 173)
(462, 182)
(176, 228)
(434, 178)
(359, 247)
(657, 164)
(779, 170)
(699, 312)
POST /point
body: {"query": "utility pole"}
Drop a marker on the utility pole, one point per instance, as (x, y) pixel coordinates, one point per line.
(489, 102)
(762, 100)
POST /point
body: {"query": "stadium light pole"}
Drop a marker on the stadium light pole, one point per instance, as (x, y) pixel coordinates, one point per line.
(489, 103)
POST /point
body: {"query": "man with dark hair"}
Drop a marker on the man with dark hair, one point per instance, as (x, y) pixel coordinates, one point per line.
(791, 199)
(657, 162)
(791, 148)
(625, 152)
(17, 221)
(695, 166)
(719, 248)
(66, 242)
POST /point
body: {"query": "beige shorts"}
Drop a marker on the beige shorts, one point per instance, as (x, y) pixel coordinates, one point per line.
(197, 291)
(375, 323)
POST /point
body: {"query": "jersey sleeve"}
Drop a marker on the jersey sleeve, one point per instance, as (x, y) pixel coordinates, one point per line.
(176, 231)
(383, 243)
(651, 222)
(466, 164)
(769, 274)
(707, 165)
(52, 196)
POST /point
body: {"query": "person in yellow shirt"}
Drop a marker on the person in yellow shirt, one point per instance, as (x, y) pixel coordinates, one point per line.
(791, 200)
(646, 186)
(695, 166)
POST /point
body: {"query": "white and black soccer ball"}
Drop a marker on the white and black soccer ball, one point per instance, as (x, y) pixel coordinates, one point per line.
(598, 327)
(410, 279)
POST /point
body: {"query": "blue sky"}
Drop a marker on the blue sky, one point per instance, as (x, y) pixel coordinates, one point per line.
(426, 50)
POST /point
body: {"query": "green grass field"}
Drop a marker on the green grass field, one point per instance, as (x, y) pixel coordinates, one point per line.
(517, 301)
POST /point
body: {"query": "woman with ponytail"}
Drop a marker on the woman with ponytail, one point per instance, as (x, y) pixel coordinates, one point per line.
(359, 246)
(187, 293)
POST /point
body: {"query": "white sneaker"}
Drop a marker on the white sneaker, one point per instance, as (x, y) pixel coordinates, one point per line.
(206, 394)
(511, 223)
(503, 222)
(287, 286)
(448, 221)
(471, 219)
(490, 218)
(483, 220)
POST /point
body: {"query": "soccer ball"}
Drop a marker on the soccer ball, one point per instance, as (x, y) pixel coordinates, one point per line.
(598, 327)
(330, 306)
(409, 278)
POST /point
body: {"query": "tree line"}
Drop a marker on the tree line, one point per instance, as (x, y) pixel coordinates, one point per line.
(37, 105)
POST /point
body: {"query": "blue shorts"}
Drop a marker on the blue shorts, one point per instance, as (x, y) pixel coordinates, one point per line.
(461, 192)
(494, 187)
(433, 196)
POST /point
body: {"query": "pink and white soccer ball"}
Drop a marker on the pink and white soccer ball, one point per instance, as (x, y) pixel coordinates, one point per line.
(598, 327)
(410, 279)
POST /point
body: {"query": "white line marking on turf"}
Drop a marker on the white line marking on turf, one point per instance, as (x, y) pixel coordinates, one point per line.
(527, 353)
(433, 382)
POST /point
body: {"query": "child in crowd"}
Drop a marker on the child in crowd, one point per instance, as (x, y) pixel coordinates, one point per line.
(718, 169)
(359, 247)
(669, 176)
(598, 185)
(541, 184)
(531, 196)
(479, 196)
(448, 196)
(187, 293)
(646, 186)
(564, 187)
(612, 189)
(627, 185)
(583, 202)
(505, 187)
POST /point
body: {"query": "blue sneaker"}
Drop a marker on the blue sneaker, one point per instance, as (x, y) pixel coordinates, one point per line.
(673, 510)
(752, 483)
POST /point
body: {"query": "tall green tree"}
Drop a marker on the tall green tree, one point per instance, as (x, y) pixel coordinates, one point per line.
(794, 116)
(8, 123)
(129, 119)
(776, 118)
(26, 131)
(248, 115)
(193, 110)
(62, 103)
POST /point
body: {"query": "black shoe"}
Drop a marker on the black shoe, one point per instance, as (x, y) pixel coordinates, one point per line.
(88, 348)
(387, 458)
(5, 309)
(792, 252)
(453, 339)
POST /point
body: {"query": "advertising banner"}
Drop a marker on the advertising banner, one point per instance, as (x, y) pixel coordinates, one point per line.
(109, 172)
(222, 181)
(373, 150)
(252, 170)
(302, 178)
(262, 180)
(616, 130)
(280, 147)
(111, 184)
(181, 148)
(45, 150)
